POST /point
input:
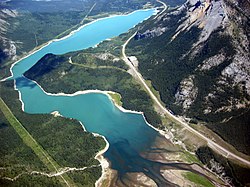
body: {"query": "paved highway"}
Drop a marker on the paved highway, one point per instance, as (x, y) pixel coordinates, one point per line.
(223, 151)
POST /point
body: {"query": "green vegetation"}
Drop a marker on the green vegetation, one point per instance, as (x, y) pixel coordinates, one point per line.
(237, 173)
(190, 158)
(31, 142)
(116, 97)
(100, 59)
(226, 130)
(55, 74)
(63, 139)
(166, 63)
(32, 180)
(17, 157)
(198, 180)
(155, 92)
(34, 28)
(30, 27)
(87, 177)
(160, 60)
(40, 21)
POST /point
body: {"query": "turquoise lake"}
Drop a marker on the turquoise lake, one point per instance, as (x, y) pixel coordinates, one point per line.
(127, 133)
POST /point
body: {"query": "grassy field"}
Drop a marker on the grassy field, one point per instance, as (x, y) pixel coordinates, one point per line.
(51, 164)
(117, 98)
(199, 180)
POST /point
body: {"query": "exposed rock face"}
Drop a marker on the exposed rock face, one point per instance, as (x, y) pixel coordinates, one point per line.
(7, 46)
(10, 50)
(211, 16)
(228, 68)
(157, 31)
(4, 14)
(214, 17)
(212, 62)
(186, 93)
(199, 62)
(239, 72)
(207, 15)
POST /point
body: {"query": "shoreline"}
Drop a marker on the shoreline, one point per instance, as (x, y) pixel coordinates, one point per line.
(99, 156)
(82, 92)
(71, 34)
(103, 161)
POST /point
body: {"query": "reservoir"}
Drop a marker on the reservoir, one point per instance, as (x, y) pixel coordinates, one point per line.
(95, 110)
(125, 131)
(128, 133)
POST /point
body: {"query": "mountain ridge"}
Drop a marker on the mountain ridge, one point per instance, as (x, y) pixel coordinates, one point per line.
(197, 57)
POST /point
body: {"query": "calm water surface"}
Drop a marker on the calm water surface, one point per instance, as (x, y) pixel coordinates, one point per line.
(127, 133)
(94, 110)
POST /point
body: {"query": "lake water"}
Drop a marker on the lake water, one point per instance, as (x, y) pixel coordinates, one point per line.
(95, 110)
(88, 36)
(127, 133)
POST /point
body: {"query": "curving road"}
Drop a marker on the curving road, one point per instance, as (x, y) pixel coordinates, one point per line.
(164, 8)
(223, 151)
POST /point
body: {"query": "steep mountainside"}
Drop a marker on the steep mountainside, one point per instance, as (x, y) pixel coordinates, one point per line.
(197, 56)
(7, 48)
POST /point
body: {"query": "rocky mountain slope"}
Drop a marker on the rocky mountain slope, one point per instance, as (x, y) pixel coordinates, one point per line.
(197, 56)
(8, 48)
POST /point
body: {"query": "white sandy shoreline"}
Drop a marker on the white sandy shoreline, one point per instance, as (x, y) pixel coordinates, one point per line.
(73, 32)
(104, 163)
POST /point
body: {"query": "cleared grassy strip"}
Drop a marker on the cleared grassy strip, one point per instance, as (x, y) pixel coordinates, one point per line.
(155, 92)
(65, 33)
(96, 67)
(50, 163)
(197, 179)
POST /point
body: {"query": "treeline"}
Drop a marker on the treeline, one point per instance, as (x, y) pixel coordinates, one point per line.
(64, 140)
(40, 21)
(166, 63)
(238, 174)
(82, 78)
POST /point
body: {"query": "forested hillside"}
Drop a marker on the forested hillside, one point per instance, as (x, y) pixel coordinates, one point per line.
(25, 25)
(197, 56)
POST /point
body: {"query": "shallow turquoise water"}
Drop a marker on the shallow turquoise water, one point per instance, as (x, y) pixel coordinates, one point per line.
(127, 133)
(89, 36)
(94, 110)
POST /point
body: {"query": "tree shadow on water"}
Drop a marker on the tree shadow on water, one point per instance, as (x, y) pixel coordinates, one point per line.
(24, 82)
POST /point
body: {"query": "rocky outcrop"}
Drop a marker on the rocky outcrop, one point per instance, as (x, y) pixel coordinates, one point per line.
(212, 62)
(157, 31)
(200, 64)
(205, 14)
(187, 93)
(7, 46)
(211, 16)
(239, 72)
